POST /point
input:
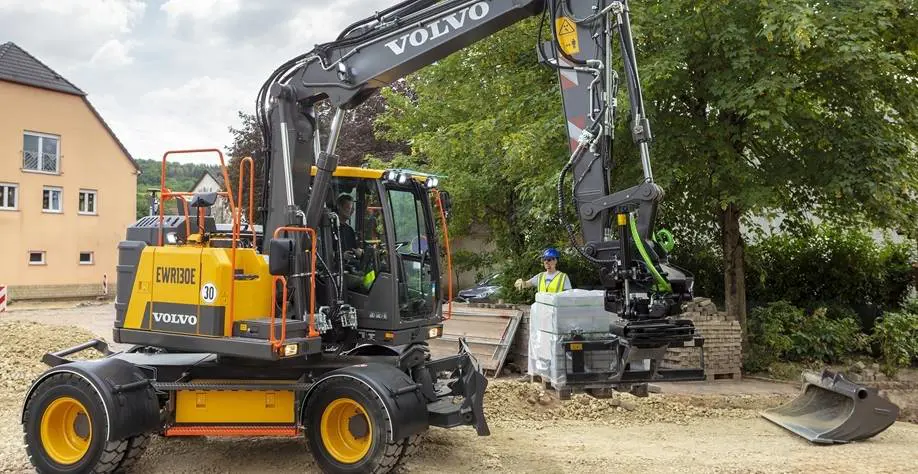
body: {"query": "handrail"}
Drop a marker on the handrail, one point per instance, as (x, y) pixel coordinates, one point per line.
(274, 341)
(166, 194)
(251, 163)
(449, 258)
(312, 279)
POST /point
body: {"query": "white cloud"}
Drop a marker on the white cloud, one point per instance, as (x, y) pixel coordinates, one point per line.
(67, 31)
(114, 16)
(200, 10)
(114, 53)
(320, 25)
(173, 75)
(200, 20)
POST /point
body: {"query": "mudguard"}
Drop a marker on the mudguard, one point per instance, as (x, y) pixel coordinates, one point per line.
(402, 397)
(131, 405)
(832, 409)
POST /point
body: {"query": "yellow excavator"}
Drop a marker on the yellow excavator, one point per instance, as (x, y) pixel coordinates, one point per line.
(310, 314)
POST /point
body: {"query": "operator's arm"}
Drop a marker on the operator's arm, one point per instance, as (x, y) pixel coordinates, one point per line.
(532, 282)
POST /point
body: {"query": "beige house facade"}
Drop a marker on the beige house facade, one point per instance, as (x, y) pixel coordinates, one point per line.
(67, 185)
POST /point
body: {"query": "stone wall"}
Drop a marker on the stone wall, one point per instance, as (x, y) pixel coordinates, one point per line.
(48, 292)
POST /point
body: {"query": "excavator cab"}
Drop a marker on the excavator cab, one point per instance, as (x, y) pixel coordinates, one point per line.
(384, 242)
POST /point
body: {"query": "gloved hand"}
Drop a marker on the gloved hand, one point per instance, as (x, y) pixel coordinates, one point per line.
(520, 284)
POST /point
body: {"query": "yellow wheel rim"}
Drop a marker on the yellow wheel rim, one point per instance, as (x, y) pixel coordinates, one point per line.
(347, 431)
(66, 430)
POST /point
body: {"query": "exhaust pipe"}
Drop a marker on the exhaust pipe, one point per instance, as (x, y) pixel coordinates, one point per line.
(832, 409)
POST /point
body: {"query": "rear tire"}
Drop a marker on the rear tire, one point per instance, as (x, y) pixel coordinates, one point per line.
(348, 430)
(136, 446)
(66, 428)
(410, 446)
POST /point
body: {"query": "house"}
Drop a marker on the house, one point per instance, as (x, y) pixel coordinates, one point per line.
(67, 185)
(211, 182)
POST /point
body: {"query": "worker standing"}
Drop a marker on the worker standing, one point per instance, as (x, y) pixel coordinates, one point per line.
(551, 280)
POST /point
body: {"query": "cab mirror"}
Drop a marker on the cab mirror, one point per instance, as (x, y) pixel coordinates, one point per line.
(280, 256)
(447, 202)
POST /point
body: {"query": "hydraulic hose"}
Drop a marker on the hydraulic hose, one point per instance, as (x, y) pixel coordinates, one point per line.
(639, 243)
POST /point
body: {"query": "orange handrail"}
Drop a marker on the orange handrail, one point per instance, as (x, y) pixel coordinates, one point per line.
(312, 278)
(251, 163)
(274, 340)
(449, 258)
(166, 194)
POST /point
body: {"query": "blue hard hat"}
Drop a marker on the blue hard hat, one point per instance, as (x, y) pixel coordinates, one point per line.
(551, 252)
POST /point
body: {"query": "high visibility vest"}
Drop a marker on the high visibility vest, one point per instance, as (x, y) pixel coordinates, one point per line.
(556, 285)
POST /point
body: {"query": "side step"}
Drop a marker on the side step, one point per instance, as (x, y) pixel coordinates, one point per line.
(230, 431)
(243, 347)
(832, 409)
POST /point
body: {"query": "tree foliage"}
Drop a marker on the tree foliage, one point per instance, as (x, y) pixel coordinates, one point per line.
(179, 177)
(355, 142)
(489, 119)
(807, 108)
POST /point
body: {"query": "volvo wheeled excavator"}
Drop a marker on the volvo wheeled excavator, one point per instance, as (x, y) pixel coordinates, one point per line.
(311, 318)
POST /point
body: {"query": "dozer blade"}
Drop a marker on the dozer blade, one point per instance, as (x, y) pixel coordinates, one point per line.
(832, 409)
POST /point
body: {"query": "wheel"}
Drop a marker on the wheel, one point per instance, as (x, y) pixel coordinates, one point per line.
(348, 429)
(66, 428)
(136, 446)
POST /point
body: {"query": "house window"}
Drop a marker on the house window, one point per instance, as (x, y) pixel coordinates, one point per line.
(9, 195)
(37, 257)
(86, 258)
(51, 199)
(41, 152)
(88, 200)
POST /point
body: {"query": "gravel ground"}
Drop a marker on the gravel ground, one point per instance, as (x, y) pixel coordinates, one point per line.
(698, 429)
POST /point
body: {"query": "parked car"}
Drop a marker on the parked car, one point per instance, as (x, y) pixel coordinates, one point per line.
(485, 291)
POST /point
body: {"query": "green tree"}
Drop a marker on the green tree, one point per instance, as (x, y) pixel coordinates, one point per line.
(800, 106)
(179, 177)
(803, 107)
(489, 119)
(247, 142)
(355, 142)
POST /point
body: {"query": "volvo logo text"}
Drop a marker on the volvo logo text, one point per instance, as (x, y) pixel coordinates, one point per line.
(439, 27)
(173, 318)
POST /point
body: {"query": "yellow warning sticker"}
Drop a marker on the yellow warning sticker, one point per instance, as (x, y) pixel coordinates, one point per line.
(576, 347)
(567, 35)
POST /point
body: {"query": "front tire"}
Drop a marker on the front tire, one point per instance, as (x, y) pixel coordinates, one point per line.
(66, 428)
(348, 430)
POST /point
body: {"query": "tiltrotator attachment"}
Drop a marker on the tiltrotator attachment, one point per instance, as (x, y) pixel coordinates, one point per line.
(832, 409)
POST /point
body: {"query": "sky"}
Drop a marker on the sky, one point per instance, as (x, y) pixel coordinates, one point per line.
(173, 74)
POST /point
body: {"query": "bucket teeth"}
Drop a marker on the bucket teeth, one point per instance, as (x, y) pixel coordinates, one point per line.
(832, 409)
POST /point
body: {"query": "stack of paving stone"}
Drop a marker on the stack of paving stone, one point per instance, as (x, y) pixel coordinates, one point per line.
(722, 342)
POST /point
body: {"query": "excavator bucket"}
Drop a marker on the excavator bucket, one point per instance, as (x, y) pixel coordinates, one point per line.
(832, 409)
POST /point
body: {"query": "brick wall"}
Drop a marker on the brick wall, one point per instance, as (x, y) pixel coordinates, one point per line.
(40, 292)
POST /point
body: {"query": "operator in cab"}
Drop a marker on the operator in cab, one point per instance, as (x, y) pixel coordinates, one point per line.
(345, 205)
(551, 280)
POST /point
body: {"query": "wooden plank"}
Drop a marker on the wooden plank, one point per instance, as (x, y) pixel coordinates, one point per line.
(488, 333)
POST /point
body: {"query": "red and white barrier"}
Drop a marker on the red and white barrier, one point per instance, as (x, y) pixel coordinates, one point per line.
(2, 298)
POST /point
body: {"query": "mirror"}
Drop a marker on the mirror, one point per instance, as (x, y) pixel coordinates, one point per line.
(280, 256)
(447, 201)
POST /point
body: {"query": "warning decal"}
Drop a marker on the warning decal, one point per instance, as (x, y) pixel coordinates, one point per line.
(567, 35)
(209, 293)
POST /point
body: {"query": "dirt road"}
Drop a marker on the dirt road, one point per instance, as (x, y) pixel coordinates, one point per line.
(688, 427)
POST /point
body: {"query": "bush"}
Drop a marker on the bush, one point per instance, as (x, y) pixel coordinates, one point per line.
(897, 336)
(827, 264)
(706, 265)
(781, 331)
